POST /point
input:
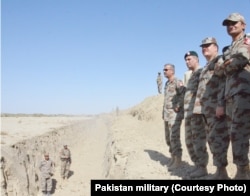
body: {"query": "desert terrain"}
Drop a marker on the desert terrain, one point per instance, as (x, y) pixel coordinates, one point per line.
(126, 144)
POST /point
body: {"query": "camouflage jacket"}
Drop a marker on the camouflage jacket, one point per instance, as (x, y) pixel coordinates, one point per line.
(190, 94)
(238, 70)
(211, 88)
(65, 155)
(174, 92)
(159, 80)
(47, 168)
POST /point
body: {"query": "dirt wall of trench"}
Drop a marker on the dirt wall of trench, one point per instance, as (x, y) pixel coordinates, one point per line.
(19, 162)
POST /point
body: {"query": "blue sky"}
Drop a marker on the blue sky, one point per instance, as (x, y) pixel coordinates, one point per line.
(91, 56)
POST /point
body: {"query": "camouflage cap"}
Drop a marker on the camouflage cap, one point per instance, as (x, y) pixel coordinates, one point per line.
(190, 53)
(208, 40)
(235, 17)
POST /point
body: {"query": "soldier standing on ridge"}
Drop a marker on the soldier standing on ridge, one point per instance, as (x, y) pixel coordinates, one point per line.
(159, 82)
(195, 126)
(173, 114)
(65, 156)
(46, 167)
(210, 103)
(236, 67)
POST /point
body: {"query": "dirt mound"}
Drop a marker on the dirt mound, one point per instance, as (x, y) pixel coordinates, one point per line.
(148, 110)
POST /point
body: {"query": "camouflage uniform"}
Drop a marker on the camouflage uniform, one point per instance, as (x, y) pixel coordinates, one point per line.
(236, 67)
(237, 94)
(65, 156)
(173, 98)
(46, 168)
(195, 127)
(210, 94)
(159, 82)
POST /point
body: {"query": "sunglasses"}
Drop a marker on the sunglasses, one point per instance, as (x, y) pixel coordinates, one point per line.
(231, 23)
(166, 69)
(205, 45)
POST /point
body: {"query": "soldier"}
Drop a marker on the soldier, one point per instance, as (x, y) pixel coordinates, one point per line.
(173, 114)
(210, 103)
(236, 67)
(195, 127)
(65, 156)
(159, 82)
(47, 169)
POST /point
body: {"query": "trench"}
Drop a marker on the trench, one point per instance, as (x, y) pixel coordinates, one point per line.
(91, 137)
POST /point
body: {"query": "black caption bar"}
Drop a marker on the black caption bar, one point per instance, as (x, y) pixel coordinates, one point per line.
(169, 187)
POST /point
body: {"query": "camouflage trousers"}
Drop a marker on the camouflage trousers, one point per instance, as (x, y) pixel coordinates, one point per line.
(195, 138)
(46, 184)
(218, 139)
(65, 166)
(159, 88)
(172, 137)
(238, 109)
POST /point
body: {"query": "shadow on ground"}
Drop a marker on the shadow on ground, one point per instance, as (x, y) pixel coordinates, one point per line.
(71, 173)
(54, 183)
(181, 171)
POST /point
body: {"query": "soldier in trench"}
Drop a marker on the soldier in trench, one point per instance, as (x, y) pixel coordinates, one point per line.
(65, 156)
(47, 169)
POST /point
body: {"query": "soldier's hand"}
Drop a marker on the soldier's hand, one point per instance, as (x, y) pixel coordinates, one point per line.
(219, 111)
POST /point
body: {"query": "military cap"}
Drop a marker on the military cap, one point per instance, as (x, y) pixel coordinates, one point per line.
(208, 40)
(235, 17)
(191, 53)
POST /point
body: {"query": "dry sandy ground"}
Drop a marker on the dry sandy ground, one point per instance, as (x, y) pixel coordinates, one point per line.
(126, 145)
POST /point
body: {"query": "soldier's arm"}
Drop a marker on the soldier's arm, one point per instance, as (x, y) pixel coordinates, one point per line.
(221, 102)
(221, 93)
(62, 155)
(181, 93)
(239, 60)
(219, 67)
(52, 168)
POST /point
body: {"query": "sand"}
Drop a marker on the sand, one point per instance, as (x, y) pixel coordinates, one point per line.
(126, 144)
